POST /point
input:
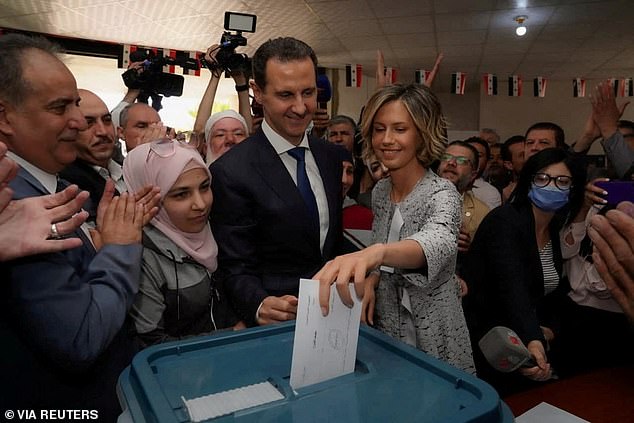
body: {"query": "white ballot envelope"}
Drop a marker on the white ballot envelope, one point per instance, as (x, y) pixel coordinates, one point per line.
(324, 347)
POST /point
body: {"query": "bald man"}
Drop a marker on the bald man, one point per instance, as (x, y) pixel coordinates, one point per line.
(95, 146)
(136, 122)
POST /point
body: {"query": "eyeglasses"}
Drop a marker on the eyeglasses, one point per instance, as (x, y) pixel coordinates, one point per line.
(563, 182)
(461, 160)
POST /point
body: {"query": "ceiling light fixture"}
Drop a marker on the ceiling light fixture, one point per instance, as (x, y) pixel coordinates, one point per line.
(521, 29)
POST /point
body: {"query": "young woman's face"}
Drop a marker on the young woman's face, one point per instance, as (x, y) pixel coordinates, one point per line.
(394, 137)
(188, 202)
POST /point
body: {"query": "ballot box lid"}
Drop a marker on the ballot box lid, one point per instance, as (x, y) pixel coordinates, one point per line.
(391, 382)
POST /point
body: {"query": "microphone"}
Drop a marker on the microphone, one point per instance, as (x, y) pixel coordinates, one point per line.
(504, 350)
(324, 91)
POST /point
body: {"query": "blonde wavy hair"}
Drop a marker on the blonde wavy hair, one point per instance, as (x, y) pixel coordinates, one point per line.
(425, 111)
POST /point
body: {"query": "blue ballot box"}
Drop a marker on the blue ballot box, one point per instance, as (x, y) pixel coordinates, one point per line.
(392, 382)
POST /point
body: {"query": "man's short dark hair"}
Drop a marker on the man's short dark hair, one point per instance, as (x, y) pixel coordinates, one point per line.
(13, 87)
(506, 147)
(560, 137)
(483, 143)
(284, 49)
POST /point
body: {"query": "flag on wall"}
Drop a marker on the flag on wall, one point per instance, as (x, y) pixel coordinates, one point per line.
(169, 54)
(127, 50)
(539, 86)
(515, 86)
(626, 89)
(186, 58)
(353, 75)
(194, 55)
(490, 84)
(422, 76)
(458, 81)
(578, 87)
(390, 75)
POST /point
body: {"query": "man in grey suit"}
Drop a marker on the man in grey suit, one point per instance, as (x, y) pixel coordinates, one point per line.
(62, 324)
(277, 195)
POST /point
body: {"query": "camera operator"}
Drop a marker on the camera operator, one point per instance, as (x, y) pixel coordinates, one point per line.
(222, 130)
(137, 122)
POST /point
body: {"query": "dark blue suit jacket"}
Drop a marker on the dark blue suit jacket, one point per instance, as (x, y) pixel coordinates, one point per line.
(85, 177)
(259, 219)
(62, 326)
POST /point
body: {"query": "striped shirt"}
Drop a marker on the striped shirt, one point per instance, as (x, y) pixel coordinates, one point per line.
(551, 277)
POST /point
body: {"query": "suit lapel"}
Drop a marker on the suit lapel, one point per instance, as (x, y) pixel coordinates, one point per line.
(273, 173)
(26, 185)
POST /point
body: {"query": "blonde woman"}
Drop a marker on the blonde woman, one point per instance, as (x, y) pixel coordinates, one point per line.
(410, 292)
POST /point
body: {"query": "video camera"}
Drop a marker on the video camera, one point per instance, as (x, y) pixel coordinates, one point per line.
(227, 59)
(152, 81)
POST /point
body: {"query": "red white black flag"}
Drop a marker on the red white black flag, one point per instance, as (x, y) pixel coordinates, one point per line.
(578, 87)
(127, 50)
(515, 86)
(458, 81)
(353, 75)
(422, 76)
(194, 55)
(539, 86)
(625, 88)
(490, 82)
(391, 75)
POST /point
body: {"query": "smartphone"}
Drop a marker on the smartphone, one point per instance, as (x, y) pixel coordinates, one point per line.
(617, 191)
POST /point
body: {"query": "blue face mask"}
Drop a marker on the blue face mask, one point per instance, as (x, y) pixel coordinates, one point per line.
(548, 198)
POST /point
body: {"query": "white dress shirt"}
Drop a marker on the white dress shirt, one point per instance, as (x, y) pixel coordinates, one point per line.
(282, 147)
(114, 172)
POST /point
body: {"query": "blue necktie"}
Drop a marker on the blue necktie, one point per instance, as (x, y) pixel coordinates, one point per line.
(303, 184)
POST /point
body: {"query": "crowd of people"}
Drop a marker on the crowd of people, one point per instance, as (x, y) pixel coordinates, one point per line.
(103, 254)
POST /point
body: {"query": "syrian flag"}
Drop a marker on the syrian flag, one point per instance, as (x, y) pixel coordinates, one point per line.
(515, 86)
(422, 76)
(539, 86)
(353, 75)
(458, 81)
(578, 87)
(125, 56)
(626, 89)
(168, 68)
(390, 75)
(490, 84)
(194, 55)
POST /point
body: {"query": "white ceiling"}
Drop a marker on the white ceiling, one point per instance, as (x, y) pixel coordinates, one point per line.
(565, 39)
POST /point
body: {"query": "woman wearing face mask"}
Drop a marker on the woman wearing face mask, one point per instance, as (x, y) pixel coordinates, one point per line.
(514, 267)
(178, 295)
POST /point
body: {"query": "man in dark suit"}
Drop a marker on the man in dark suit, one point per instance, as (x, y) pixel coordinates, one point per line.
(277, 206)
(95, 148)
(62, 313)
